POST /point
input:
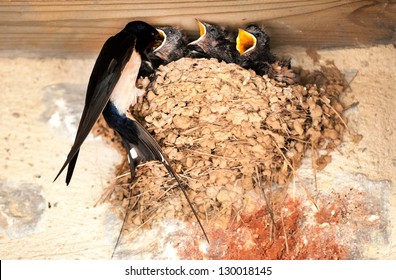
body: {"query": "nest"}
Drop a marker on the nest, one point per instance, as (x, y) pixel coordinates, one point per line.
(228, 133)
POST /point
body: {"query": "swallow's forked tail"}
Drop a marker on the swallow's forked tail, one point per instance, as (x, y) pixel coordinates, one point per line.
(147, 149)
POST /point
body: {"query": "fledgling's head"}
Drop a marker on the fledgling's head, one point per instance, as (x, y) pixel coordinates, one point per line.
(252, 39)
(173, 46)
(210, 36)
(146, 35)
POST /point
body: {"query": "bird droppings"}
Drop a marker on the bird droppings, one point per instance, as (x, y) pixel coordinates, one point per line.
(232, 136)
(21, 208)
(62, 110)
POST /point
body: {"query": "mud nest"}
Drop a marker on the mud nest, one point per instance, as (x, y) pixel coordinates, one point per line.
(229, 134)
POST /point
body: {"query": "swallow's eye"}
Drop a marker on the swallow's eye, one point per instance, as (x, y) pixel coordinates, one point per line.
(212, 30)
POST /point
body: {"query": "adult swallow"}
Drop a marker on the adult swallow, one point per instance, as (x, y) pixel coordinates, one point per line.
(173, 47)
(253, 46)
(112, 80)
(112, 90)
(214, 41)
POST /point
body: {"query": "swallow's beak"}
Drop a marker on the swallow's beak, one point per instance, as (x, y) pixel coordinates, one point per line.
(202, 33)
(160, 41)
(245, 41)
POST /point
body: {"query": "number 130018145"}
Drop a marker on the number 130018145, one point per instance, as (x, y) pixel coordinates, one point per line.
(236, 270)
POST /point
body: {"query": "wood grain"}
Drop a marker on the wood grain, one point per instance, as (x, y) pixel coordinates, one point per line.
(80, 27)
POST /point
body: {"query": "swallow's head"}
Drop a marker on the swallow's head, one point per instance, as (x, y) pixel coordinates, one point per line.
(146, 35)
(173, 45)
(250, 39)
(210, 36)
(263, 39)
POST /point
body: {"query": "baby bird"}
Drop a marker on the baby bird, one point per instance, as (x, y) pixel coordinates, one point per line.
(214, 42)
(173, 47)
(253, 45)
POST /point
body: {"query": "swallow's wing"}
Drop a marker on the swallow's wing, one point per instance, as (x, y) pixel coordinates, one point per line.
(106, 72)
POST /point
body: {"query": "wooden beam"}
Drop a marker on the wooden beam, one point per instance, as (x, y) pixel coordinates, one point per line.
(80, 27)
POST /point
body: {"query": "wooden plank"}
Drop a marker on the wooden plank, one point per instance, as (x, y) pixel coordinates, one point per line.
(77, 27)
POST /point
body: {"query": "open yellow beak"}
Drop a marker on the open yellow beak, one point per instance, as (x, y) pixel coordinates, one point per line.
(245, 41)
(160, 44)
(202, 29)
(202, 32)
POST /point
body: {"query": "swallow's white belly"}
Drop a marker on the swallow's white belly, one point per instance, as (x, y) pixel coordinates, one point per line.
(125, 92)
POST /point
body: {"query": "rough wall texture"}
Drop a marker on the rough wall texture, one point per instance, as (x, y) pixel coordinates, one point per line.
(41, 103)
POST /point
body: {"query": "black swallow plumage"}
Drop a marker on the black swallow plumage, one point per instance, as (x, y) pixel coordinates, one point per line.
(214, 42)
(111, 90)
(118, 61)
